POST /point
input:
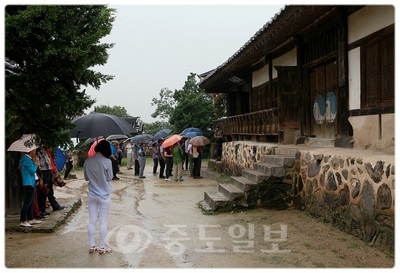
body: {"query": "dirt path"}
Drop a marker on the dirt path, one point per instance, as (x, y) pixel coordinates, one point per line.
(158, 224)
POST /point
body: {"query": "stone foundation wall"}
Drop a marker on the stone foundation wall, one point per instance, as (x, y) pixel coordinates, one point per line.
(353, 195)
(241, 155)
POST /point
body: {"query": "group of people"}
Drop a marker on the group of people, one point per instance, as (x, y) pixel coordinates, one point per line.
(38, 172)
(99, 170)
(171, 161)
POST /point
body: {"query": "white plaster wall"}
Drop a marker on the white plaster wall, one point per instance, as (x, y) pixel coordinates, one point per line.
(354, 79)
(388, 133)
(366, 132)
(288, 59)
(260, 76)
(369, 20)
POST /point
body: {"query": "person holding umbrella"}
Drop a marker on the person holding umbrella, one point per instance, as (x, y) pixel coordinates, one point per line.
(142, 159)
(47, 168)
(114, 158)
(195, 160)
(98, 170)
(129, 155)
(177, 159)
(161, 160)
(28, 165)
(155, 155)
(168, 162)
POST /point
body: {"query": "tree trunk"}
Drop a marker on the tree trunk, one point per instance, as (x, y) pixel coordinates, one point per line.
(13, 184)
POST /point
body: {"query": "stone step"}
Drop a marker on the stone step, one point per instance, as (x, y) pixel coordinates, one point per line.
(254, 176)
(230, 191)
(215, 200)
(243, 183)
(269, 169)
(279, 160)
(289, 152)
(204, 205)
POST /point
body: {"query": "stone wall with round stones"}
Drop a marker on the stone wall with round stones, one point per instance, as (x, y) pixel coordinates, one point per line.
(354, 195)
(349, 192)
(241, 155)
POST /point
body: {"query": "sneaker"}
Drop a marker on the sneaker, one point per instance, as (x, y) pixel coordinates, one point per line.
(59, 208)
(25, 225)
(199, 177)
(167, 179)
(120, 172)
(115, 178)
(42, 216)
(162, 176)
(142, 176)
(181, 179)
(34, 222)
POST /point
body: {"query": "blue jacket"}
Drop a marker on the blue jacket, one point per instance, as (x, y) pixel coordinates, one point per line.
(28, 170)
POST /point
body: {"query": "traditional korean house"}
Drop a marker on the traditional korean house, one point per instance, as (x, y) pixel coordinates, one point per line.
(323, 74)
(312, 81)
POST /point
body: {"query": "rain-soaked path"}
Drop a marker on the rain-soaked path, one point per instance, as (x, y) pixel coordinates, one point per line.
(158, 224)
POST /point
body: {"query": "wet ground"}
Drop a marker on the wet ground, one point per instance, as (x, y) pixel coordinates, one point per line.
(154, 223)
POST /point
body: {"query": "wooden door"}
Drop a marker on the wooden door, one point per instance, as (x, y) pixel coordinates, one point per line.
(289, 100)
(323, 81)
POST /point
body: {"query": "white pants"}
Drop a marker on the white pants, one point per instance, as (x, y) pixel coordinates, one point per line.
(98, 208)
(129, 160)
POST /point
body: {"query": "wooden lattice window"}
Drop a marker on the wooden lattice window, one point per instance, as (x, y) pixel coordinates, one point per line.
(320, 45)
(377, 73)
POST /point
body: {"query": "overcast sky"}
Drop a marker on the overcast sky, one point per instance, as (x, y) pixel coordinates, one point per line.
(158, 46)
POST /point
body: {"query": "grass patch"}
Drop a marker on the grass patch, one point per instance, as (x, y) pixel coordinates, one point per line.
(354, 245)
(319, 265)
(310, 246)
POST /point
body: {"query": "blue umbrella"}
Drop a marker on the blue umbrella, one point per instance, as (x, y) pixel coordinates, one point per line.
(60, 159)
(141, 138)
(161, 134)
(191, 129)
(192, 134)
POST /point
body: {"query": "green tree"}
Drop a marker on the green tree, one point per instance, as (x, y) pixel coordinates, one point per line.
(194, 108)
(164, 105)
(52, 49)
(154, 127)
(115, 110)
(220, 105)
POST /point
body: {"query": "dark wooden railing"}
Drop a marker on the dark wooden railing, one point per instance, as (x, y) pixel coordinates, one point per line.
(265, 122)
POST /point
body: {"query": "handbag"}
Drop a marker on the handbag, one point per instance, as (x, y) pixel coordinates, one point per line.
(58, 181)
(44, 189)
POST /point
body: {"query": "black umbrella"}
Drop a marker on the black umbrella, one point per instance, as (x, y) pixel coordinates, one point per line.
(116, 137)
(99, 124)
(161, 134)
(91, 140)
(141, 138)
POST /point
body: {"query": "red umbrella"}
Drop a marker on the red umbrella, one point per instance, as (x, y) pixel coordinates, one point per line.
(91, 150)
(171, 141)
